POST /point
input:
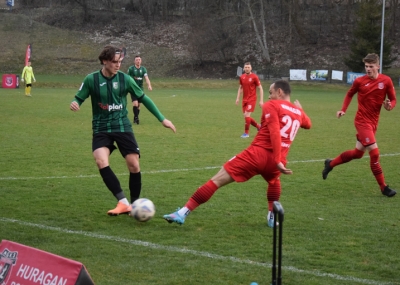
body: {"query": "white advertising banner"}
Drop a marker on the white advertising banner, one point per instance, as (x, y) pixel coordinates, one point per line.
(337, 75)
(298, 74)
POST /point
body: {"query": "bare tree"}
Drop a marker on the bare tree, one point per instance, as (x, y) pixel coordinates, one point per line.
(260, 35)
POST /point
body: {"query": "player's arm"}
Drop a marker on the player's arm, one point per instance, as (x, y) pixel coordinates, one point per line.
(82, 94)
(134, 90)
(305, 120)
(23, 74)
(390, 101)
(261, 95)
(33, 76)
(347, 99)
(149, 104)
(240, 92)
(148, 82)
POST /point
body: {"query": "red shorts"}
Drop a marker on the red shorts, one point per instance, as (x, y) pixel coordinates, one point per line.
(248, 106)
(253, 161)
(366, 134)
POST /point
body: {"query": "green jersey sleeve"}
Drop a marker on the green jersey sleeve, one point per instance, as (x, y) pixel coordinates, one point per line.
(133, 89)
(83, 92)
(149, 104)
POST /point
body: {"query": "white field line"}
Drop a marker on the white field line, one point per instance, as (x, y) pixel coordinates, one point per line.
(162, 171)
(195, 252)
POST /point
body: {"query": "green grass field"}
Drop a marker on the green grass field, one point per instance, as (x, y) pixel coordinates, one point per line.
(337, 231)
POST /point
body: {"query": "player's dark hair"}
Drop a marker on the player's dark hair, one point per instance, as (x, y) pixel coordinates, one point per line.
(371, 58)
(108, 53)
(138, 56)
(247, 63)
(284, 85)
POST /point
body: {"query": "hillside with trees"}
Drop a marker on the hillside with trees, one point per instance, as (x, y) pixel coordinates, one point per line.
(201, 38)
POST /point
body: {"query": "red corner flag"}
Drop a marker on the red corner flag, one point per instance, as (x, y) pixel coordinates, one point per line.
(28, 54)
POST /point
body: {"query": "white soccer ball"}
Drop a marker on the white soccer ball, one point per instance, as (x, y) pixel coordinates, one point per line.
(143, 210)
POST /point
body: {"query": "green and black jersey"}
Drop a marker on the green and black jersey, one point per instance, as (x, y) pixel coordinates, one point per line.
(109, 101)
(138, 74)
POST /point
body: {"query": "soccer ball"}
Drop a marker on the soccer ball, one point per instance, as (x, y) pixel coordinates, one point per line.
(143, 210)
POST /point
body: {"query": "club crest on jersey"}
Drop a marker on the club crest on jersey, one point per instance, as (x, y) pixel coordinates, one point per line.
(381, 85)
(115, 85)
(7, 260)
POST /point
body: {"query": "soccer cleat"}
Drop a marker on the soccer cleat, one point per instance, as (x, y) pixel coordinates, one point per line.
(270, 220)
(174, 218)
(327, 168)
(388, 192)
(136, 120)
(244, 136)
(120, 209)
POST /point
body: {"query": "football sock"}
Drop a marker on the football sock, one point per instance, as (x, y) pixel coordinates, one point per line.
(273, 193)
(376, 167)
(247, 124)
(135, 111)
(184, 212)
(125, 201)
(112, 182)
(347, 156)
(26, 91)
(202, 195)
(29, 90)
(135, 185)
(253, 123)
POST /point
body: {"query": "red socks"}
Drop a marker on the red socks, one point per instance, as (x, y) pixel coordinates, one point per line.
(347, 156)
(202, 195)
(376, 168)
(273, 193)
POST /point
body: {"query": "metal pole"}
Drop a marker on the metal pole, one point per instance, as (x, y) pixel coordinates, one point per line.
(382, 32)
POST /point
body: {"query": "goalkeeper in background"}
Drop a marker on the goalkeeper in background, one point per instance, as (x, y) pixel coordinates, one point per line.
(27, 77)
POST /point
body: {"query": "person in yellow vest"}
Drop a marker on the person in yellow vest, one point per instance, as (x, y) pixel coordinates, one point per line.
(27, 76)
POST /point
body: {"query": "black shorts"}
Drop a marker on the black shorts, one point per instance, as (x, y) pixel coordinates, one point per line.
(126, 142)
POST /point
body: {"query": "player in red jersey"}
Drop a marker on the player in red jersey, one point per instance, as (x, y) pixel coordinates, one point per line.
(249, 83)
(266, 155)
(372, 89)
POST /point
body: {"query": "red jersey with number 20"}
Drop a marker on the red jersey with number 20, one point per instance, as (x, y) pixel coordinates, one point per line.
(249, 83)
(280, 122)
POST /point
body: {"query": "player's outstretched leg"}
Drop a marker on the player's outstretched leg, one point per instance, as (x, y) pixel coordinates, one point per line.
(327, 168)
(388, 192)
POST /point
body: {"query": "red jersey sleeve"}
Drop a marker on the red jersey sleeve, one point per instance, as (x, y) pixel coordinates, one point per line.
(391, 94)
(349, 95)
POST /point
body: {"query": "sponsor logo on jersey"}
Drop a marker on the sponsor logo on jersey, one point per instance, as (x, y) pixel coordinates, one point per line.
(110, 108)
(138, 78)
(381, 85)
(115, 85)
(291, 109)
(7, 260)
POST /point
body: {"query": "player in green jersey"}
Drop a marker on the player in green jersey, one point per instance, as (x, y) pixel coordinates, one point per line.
(28, 76)
(108, 89)
(138, 72)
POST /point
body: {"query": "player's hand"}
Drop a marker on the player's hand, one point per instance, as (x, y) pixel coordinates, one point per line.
(34, 80)
(74, 106)
(168, 124)
(387, 104)
(150, 88)
(297, 104)
(261, 103)
(283, 169)
(22, 80)
(340, 114)
(237, 101)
